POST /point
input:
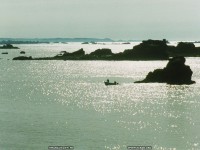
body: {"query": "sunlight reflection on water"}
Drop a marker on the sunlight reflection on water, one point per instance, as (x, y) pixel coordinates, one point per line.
(67, 101)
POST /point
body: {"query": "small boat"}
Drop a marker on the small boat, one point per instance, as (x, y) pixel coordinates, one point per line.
(110, 83)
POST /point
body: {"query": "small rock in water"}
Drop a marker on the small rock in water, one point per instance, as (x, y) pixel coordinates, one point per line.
(22, 52)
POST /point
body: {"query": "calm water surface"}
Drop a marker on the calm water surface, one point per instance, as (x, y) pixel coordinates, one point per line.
(45, 103)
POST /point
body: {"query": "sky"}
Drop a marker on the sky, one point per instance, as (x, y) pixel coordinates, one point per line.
(116, 19)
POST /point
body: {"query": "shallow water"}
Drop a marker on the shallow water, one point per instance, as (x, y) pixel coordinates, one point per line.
(45, 103)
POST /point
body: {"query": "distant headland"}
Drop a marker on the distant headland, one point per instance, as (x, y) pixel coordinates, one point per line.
(147, 50)
(50, 40)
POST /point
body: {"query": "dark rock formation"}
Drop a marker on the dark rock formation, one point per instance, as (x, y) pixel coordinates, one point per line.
(22, 52)
(8, 46)
(79, 52)
(23, 58)
(4, 53)
(70, 56)
(186, 49)
(184, 46)
(99, 54)
(147, 50)
(102, 52)
(176, 72)
(85, 43)
(126, 43)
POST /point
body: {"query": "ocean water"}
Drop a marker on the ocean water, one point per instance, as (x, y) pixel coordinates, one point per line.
(65, 103)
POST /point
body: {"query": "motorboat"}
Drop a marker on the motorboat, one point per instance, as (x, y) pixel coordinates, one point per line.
(110, 83)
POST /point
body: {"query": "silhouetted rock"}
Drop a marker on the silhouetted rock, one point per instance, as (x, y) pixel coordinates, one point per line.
(79, 52)
(176, 72)
(69, 56)
(126, 43)
(8, 46)
(22, 52)
(186, 49)
(99, 54)
(102, 52)
(85, 43)
(4, 53)
(185, 46)
(147, 50)
(23, 58)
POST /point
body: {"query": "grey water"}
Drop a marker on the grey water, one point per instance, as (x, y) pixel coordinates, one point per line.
(65, 103)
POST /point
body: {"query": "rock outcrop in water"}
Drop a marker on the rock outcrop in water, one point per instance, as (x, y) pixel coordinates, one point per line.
(70, 56)
(147, 50)
(8, 46)
(102, 52)
(4, 53)
(176, 72)
(186, 49)
(22, 52)
(23, 58)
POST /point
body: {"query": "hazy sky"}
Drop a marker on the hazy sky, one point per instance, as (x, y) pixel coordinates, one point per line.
(116, 19)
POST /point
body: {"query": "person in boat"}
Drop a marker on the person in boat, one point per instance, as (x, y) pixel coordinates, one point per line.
(110, 83)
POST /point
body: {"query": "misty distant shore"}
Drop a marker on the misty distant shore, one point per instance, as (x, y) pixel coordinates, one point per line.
(51, 40)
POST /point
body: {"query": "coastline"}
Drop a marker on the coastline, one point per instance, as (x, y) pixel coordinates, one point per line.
(147, 50)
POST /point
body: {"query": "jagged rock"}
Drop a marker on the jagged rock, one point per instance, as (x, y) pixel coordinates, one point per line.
(72, 56)
(79, 52)
(102, 52)
(147, 50)
(176, 72)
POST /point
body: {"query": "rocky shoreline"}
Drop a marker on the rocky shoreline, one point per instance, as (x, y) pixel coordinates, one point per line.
(175, 72)
(147, 50)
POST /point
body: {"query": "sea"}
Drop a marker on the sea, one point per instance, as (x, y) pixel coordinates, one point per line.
(50, 103)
